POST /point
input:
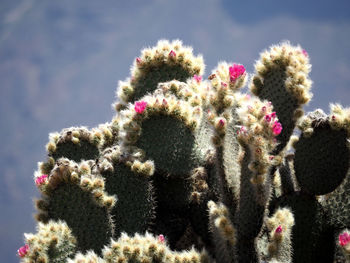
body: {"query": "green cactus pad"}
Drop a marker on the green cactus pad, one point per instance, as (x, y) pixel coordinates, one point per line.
(53, 243)
(165, 62)
(310, 232)
(282, 78)
(76, 144)
(321, 158)
(79, 201)
(337, 205)
(134, 210)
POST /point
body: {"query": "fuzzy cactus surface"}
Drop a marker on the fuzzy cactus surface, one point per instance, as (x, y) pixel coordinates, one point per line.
(191, 169)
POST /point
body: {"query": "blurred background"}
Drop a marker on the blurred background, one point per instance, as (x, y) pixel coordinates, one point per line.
(60, 62)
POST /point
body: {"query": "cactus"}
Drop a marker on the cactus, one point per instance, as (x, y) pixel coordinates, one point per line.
(194, 170)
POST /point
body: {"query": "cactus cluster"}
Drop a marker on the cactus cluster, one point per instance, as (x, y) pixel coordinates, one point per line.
(194, 170)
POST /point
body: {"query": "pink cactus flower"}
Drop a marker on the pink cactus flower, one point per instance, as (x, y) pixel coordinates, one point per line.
(236, 71)
(271, 157)
(172, 53)
(344, 239)
(140, 106)
(279, 230)
(305, 53)
(22, 251)
(273, 114)
(161, 238)
(277, 128)
(197, 78)
(263, 109)
(41, 179)
(221, 123)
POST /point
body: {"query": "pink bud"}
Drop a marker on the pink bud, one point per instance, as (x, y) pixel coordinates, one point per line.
(138, 61)
(172, 54)
(221, 122)
(223, 84)
(263, 109)
(305, 53)
(278, 230)
(22, 251)
(161, 238)
(268, 118)
(164, 102)
(333, 118)
(344, 239)
(197, 78)
(273, 114)
(271, 157)
(140, 106)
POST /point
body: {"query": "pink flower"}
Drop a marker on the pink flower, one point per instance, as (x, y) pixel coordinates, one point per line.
(221, 122)
(344, 239)
(161, 238)
(140, 106)
(263, 109)
(276, 128)
(279, 229)
(22, 251)
(273, 114)
(305, 53)
(172, 53)
(41, 179)
(197, 78)
(236, 71)
(223, 84)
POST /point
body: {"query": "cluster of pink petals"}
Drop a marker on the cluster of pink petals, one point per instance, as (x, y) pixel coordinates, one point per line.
(197, 78)
(276, 128)
(279, 229)
(161, 238)
(172, 53)
(236, 71)
(22, 251)
(41, 179)
(140, 106)
(344, 239)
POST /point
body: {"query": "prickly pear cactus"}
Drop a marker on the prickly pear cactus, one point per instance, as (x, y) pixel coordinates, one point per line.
(193, 170)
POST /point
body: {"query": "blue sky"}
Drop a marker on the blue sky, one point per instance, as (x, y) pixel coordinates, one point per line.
(60, 62)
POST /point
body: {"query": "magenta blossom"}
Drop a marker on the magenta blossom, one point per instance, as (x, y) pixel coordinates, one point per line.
(279, 229)
(140, 106)
(22, 251)
(161, 238)
(344, 239)
(276, 128)
(197, 78)
(41, 179)
(172, 53)
(236, 71)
